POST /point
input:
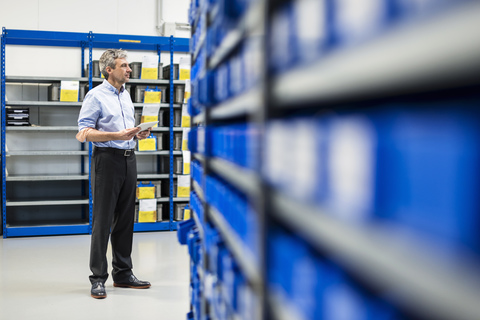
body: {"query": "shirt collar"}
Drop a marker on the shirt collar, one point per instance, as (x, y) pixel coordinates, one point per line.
(112, 88)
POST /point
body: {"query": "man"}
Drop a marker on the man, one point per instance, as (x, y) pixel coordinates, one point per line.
(107, 119)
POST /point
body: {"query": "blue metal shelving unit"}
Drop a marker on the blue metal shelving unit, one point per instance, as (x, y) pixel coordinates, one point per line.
(84, 40)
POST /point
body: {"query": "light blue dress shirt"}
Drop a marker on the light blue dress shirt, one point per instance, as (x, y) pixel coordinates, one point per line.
(106, 109)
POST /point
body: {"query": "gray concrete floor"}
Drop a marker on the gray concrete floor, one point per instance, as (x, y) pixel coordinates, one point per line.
(47, 278)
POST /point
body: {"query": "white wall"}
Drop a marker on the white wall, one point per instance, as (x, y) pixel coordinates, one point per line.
(136, 17)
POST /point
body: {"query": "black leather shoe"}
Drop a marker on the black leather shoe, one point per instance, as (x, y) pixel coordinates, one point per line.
(98, 291)
(133, 282)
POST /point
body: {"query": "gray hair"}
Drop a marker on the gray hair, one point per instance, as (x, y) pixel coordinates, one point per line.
(108, 59)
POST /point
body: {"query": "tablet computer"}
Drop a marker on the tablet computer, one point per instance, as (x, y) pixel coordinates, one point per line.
(144, 126)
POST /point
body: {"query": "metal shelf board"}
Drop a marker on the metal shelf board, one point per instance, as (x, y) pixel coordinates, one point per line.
(41, 128)
(162, 105)
(152, 153)
(199, 224)
(198, 190)
(417, 282)
(244, 179)
(45, 203)
(151, 226)
(47, 178)
(162, 199)
(243, 256)
(199, 118)
(166, 129)
(32, 79)
(200, 44)
(250, 22)
(435, 53)
(176, 199)
(281, 307)
(47, 153)
(45, 38)
(135, 42)
(47, 230)
(43, 104)
(179, 81)
(199, 157)
(148, 81)
(153, 176)
(244, 104)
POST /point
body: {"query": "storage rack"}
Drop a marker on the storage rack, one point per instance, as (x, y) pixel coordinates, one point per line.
(416, 58)
(83, 41)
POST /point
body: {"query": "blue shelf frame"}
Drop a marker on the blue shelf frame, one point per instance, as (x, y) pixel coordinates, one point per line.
(82, 41)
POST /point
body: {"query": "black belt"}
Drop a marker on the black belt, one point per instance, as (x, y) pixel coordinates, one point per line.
(122, 152)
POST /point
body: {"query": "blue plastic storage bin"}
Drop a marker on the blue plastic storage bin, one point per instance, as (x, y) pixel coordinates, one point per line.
(183, 228)
(429, 172)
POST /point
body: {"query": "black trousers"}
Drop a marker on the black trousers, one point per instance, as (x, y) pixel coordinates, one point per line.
(114, 178)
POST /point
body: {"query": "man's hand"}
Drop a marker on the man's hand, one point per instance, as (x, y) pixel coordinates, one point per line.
(127, 134)
(143, 134)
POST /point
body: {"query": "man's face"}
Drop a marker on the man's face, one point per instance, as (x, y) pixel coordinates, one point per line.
(121, 73)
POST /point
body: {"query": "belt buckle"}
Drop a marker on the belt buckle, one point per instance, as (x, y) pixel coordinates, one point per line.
(127, 153)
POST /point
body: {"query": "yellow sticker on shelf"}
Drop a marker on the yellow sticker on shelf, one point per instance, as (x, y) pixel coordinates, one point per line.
(184, 74)
(149, 73)
(152, 96)
(148, 144)
(147, 216)
(186, 214)
(186, 121)
(69, 95)
(186, 168)
(184, 145)
(145, 192)
(183, 192)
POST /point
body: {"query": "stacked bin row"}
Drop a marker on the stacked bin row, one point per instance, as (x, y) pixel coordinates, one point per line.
(197, 172)
(225, 289)
(236, 143)
(188, 234)
(221, 283)
(413, 166)
(237, 212)
(313, 287)
(239, 73)
(305, 30)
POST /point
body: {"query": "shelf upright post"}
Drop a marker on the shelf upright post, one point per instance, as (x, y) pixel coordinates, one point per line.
(4, 184)
(82, 147)
(171, 133)
(90, 145)
(159, 52)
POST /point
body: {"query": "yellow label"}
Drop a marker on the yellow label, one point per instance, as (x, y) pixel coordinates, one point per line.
(147, 216)
(186, 121)
(69, 95)
(184, 74)
(145, 192)
(149, 73)
(183, 192)
(186, 168)
(186, 214)
(184, 145)
(152, 96)
(134, 41)
(150, 119)
(148, 144)
(187, 95)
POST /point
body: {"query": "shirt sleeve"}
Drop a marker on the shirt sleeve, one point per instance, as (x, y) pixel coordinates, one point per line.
(89, 113)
